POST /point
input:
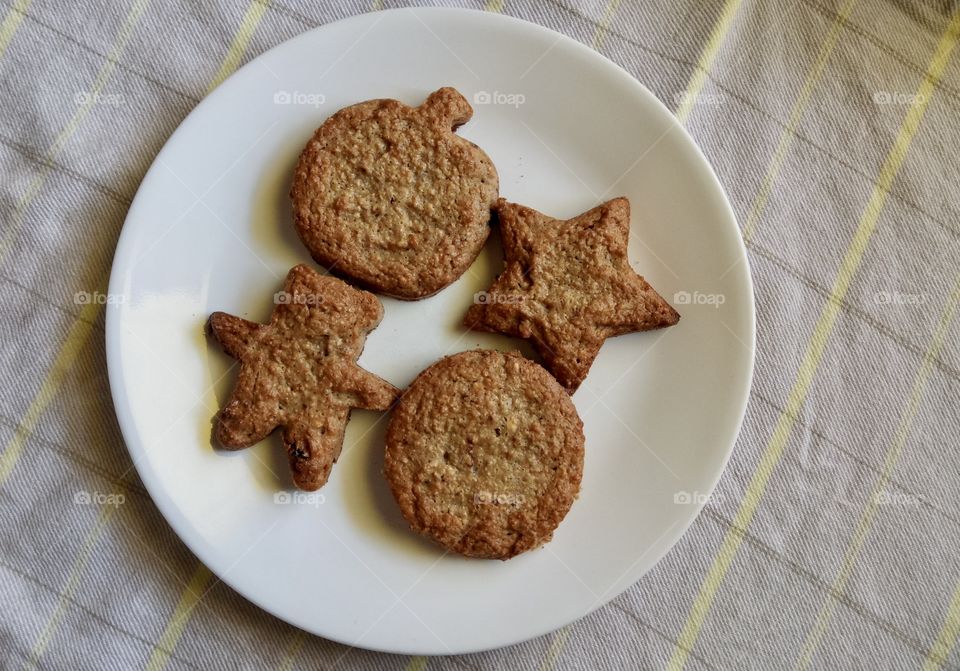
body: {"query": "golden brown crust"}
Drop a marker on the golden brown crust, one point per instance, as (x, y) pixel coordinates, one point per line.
(389, 196)
(485, 454)
(299, 372)
(567, 286)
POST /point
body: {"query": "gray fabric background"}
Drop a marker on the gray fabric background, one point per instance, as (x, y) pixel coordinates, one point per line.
(832, 541)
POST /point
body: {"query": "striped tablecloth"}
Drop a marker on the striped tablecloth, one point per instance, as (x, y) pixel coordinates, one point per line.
(832, 541)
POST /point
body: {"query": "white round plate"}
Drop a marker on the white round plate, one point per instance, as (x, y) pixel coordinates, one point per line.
(210, 230)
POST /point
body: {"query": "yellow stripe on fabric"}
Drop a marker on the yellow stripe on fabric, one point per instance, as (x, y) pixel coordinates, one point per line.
(495, 6)
(76, 338)
(202, 576)
(73, 581)
(87, 102)
(707, 57)
(557, 644)
(796, 114)
(181, 615)
(241, 40)
(416, 664)
(814, 351)
(947, 638)
(890, 461)
(293, 649)
(609, 12)
(11, 22)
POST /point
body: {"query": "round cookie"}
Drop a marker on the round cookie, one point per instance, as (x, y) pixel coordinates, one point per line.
(485, 454)
(389, 196)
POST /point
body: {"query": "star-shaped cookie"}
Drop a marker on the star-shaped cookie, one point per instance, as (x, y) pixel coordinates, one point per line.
(567, 286)
(299, 372)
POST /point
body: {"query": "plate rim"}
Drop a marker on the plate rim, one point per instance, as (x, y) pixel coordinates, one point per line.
(172, 513)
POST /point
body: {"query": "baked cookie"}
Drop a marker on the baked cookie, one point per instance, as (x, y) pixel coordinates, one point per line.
(485, 454)
(567, 286)
(299, 372)
(389, 196)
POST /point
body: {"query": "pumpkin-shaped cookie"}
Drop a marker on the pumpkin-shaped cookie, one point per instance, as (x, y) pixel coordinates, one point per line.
(389, 196)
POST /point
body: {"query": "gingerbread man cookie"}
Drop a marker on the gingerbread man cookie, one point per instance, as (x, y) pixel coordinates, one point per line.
(299, 372)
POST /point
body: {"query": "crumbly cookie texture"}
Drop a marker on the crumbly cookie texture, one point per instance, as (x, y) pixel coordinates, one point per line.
(389, 196)
(567, 286)
(299, 372)
(485, 454)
